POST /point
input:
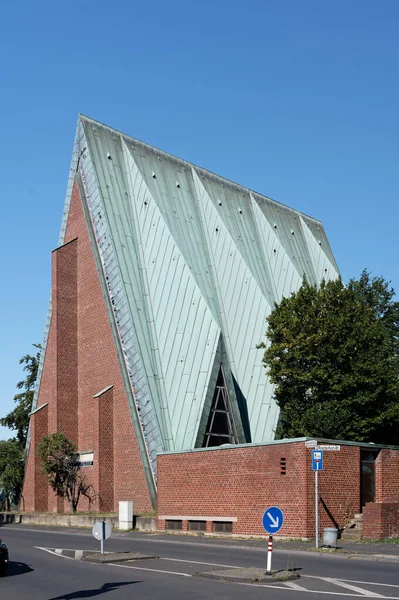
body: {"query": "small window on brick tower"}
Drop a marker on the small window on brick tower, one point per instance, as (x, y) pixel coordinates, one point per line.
(283, 466)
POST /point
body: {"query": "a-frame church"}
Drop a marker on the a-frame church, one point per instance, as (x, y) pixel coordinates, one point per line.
(161, 285)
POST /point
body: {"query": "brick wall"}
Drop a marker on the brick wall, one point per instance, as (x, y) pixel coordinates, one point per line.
(104, 449)
(62, 413)
(242, 482)
(80, 361)
(387, 476)
(339, 488)
(236, 483)
(35, 496)
(381, 520)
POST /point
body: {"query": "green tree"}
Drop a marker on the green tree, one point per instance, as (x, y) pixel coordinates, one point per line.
(11, 472)
(379, 296)
(60, 462)
(18, 419)
(331, 356)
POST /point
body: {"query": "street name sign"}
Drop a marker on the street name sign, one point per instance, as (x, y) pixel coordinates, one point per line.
(310, 443)
(273, 519)
(331, 448)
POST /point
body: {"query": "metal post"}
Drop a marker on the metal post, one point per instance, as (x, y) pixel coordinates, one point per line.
(316, 476)
(269, 555)
(102, 537)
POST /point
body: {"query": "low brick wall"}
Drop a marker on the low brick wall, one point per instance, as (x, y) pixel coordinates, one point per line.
(235, 485)
(381, 520)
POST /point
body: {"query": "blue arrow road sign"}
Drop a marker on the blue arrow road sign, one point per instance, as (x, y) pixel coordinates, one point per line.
(273, 519)
(317, 460)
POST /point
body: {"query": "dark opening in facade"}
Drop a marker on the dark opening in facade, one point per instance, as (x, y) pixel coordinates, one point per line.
(174, 524)
(197, 525)
(222, 526)
(220, 428)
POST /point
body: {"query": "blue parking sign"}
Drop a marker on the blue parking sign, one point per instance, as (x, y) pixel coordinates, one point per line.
(317, 460)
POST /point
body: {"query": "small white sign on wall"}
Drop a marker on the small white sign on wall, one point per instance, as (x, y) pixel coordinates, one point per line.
(86, 459)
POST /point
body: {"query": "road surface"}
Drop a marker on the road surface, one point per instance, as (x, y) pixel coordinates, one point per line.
(44, 566)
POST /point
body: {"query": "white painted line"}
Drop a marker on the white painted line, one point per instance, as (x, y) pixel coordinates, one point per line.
(54, 553)
(295, 586)
(153, 570)
(363, 582)
(284, 587)
(78, 554)
(58, 551)
(354, 588)
(196, 562)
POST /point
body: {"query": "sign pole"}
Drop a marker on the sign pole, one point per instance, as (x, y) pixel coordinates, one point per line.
(269, 555)
(102, 536)
(272, 522)
(317, 465)
(316, 479)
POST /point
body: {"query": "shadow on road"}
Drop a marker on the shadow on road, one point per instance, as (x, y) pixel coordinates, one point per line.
(107, 587)
(18, 568)
(291, 570)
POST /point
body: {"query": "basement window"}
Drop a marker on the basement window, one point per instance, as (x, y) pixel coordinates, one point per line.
(197, 525)
(222, 527)
(283, 466)
(174, 524)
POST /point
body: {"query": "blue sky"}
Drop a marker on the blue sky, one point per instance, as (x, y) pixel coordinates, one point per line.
(297, 99)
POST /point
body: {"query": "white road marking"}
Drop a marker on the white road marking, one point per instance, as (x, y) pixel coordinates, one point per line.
(197, 562)
(363, 582)
(153, 570)
(58, 551)
(78, 554)
(354, 588)
(53, 552)
(295, 586)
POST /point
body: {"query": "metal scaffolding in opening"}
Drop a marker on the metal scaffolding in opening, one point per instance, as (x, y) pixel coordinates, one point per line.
(221, 427)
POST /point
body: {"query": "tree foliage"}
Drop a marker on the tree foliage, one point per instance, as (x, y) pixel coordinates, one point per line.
(60, 463)
(379, 296)
(18, 419)
(11, 473)
(333, 357)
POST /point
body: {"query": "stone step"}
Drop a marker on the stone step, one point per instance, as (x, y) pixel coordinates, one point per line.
(351, 534)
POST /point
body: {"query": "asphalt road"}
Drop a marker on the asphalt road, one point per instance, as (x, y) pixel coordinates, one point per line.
(43, 567)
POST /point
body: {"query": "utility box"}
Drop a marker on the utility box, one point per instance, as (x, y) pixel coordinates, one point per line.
(125, 515)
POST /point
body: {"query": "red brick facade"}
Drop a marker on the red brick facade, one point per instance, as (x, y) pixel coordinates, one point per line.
(339, 488)
(387, 476)
(381, 520)
(80, 362)
(238, 484)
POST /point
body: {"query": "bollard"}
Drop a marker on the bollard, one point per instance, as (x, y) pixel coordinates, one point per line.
(269, 555)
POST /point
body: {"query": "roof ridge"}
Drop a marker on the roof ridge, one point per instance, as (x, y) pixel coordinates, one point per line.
(194, 166)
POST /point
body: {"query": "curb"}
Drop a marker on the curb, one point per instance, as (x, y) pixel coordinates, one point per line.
(252, 575)
(115, 557)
